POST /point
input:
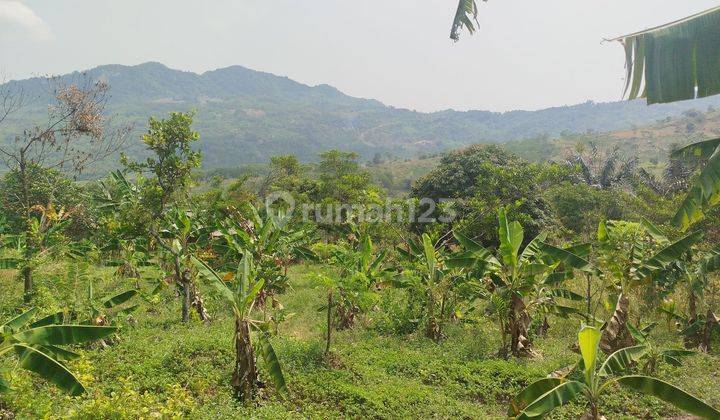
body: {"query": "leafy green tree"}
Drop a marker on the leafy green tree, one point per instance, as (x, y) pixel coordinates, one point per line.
(580, 207)
(342, 180)
(285, 173)
(172, 161)
(42, 240)
(37, 346)
(482, 178)
(49, 186)
(543, 396)
(171, 165)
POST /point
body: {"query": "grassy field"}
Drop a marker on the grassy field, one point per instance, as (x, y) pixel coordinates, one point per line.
(160, 368)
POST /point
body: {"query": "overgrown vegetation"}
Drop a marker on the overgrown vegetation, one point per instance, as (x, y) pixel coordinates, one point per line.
(339, 311)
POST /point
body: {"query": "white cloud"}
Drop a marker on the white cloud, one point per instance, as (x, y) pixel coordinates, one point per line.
(17, 18)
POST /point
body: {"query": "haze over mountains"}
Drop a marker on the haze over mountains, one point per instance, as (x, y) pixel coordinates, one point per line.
(246, 116)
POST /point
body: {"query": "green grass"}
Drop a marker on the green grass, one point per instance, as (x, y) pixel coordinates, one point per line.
(161, 368)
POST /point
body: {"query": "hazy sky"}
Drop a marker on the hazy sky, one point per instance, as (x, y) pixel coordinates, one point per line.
(529, 54)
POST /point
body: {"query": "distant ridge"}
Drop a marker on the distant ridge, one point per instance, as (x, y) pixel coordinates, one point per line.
(247, 116)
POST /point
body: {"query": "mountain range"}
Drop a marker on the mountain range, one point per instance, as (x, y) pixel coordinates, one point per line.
(247, 116)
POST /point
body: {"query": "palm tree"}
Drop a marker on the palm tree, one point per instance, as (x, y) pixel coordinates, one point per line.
(603, 169)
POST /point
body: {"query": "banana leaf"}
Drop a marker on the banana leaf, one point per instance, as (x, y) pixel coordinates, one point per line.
(63, 334)
(272, 363)
(465, 17)
(121, 298)
(556, 397)
(50, 369)
(531, 393)
(4, 386)
(622, 360)
(214, 279)
(670, 394)
(20, 320)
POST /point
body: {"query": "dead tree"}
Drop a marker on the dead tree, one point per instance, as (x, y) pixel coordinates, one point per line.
(75, 135)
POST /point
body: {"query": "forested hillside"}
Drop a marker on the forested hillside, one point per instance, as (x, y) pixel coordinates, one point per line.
(246, 116)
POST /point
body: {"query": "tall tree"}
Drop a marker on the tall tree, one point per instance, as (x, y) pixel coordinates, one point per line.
(171, 163)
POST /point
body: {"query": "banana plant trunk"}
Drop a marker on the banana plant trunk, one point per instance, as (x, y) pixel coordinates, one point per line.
(692, 307)
(186, 294)
(542, 327)
(518, 324)
(616, 334)
(433, 327)
(27, 284)
(711, 320)
(197, 302)
(245, 376)
(329, 322)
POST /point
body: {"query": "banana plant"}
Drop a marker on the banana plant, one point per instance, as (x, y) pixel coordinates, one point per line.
(427, 274)
(275, 242)
(39, 242)
(131, 257)
(361, 270)
(698, 326)
(692, 270)
(37, 347)
(103, 310)
(704, 192)
(543, 396)
(652, 356)
(180, 239)
(352, 290)
(632, 261)
(515, 275)
(241, 291)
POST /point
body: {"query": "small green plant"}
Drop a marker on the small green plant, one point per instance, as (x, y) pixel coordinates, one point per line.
(652, 356)
(543, 396)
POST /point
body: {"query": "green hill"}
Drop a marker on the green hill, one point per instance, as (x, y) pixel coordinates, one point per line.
(246, 116)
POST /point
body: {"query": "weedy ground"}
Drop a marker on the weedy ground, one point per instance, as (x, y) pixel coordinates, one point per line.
(161, 368)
